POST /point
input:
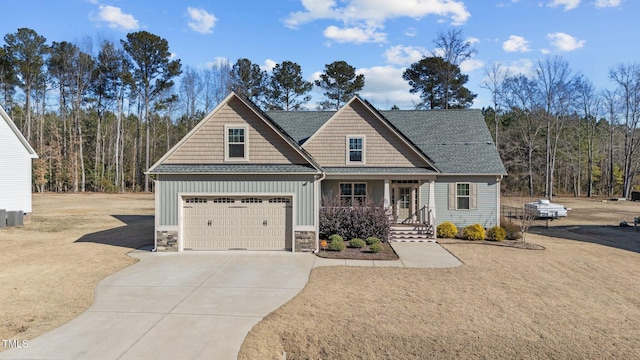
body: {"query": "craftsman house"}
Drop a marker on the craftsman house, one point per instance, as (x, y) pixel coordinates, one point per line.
(247, 179)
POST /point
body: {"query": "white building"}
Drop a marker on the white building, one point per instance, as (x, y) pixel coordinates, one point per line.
(15, 167)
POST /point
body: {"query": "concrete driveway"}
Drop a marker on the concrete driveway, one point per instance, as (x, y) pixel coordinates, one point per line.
(194, 305)
(190, 305)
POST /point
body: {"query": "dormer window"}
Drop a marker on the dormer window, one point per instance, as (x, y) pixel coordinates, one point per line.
(355, 149)
(236, 143)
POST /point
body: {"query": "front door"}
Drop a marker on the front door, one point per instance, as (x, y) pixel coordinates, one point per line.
(403, 204)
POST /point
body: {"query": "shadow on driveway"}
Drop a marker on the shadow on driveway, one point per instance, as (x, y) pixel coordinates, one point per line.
(136, 233)
(625, 238)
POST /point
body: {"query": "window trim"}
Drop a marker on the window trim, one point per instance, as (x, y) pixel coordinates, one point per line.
(468, 196)
(348, 149)
(353, 195)
(453, 195)
(245, 128)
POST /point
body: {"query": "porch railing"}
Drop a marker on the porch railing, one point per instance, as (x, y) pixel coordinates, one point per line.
(422, 215)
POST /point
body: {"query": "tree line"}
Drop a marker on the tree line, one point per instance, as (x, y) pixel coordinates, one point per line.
(557, 133)
(99, 115)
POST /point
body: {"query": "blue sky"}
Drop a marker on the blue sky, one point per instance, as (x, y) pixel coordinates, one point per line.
(379, 37)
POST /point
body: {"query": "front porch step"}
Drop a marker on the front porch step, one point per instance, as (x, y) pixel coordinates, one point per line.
(411, 233)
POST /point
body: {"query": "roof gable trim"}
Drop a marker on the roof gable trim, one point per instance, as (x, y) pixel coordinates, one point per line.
(254, 109)
(384, 121)
(18, 134)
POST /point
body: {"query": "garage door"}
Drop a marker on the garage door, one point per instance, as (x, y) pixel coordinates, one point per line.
(222, 223)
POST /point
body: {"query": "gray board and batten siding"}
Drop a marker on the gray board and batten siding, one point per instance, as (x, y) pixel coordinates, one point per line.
(301, 186)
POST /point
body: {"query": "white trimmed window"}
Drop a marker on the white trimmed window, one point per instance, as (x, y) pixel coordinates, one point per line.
(353, 193)
(355, 149)
(462, 196)
(235, 143)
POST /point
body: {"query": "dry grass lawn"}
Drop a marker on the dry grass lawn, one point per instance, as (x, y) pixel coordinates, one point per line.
(578, 299)
(49, 268)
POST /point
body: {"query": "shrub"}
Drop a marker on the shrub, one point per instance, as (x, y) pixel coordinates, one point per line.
(356, 243)
(375, 247)
(512, 229)
(336, 244)
(335, 236)
(372, 240)
(446, 230)
(496, 233)
(473, 232)
(353, 220)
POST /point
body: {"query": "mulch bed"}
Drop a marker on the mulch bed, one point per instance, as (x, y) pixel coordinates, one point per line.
(387, 253)
(518, 244)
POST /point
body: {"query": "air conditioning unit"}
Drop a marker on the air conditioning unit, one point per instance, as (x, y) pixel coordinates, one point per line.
(15, 218)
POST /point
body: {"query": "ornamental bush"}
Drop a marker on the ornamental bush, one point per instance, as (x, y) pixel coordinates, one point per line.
(335, 236)
(375, 247)
(356, 243)
(473, 232)
(513, 231)
(336, 244)
(446, 230)
(357, 220)
(372, 240)
(496, 233)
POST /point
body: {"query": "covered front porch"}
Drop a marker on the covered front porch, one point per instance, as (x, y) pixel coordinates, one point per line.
(408, 197)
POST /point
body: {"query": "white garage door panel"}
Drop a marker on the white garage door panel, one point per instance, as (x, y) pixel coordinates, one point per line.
(252, 223)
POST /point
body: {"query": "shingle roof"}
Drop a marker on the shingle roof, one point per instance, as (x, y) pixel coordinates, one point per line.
(376, 170)
(300, 125)
(232, 168)
(458, 141)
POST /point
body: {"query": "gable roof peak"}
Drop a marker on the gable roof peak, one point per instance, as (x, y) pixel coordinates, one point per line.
(18, 134)
(256, 110)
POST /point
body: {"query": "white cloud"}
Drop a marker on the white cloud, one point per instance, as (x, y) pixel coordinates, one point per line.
(411, 32)
(545, 51)
(116, 19)
(315, 76)
(201, 21)
(217, 62)
(268, 65)
(361, 18)
(377, 10)
(565, 42)
(404, 55)
(315, 9)
(354, 34)
(473, 40)
(523, 66)
(568, 4)
(384, 87)
(516, 44)
(468, 66)
(607, 3)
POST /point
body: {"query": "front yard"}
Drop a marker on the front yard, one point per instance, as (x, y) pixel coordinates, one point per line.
(577, 299)
(49, 268)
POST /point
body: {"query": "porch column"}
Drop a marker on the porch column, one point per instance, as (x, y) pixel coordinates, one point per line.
(387, 196)
(431, 205)
(412, 203)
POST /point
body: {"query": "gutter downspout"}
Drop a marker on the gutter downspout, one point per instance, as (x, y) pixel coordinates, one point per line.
(316, 200)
